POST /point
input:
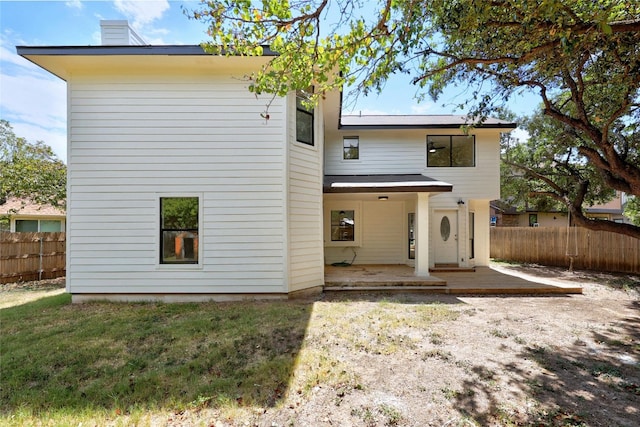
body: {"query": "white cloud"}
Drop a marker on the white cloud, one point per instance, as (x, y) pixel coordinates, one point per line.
(32, 100)
(142, 12)
(55, 138)
(36, 108)
(520, 134)
(8, 54)
(77, 4)
(425, 108)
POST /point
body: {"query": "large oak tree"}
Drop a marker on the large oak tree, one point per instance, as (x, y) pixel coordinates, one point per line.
(546, 172)
(586, 50)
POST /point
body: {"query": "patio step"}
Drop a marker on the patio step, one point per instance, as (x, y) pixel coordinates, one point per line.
(400, 278)
(451, 268)
(439, 289)
(457, 290)
(385, 282)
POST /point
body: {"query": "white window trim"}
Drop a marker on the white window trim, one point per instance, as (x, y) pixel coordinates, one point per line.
(351, 161)
(183, 267)
(356, 207)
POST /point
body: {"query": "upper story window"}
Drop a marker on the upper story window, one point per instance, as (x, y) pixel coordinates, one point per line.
(451, 151)
(304, 121)
(351, 148)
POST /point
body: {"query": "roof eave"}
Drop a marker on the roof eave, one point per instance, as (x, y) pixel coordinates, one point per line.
(384, 183)
(173, 50)
(395, 189)
(427, 126)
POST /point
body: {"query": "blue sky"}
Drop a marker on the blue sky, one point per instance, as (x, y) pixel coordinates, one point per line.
(34, 101)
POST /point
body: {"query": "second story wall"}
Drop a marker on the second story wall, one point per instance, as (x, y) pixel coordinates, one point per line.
(304, 202)
(402, 151)
(136, 138)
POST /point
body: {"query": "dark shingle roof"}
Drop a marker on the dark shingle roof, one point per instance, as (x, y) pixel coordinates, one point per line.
(419, 122)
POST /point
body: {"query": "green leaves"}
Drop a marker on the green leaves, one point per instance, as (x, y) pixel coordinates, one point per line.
(581, 57)
(30, 170)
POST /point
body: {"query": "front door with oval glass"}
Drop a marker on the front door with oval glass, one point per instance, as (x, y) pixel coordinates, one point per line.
(445, 236)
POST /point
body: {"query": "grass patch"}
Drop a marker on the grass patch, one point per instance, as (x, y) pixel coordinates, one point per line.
(101, 359)
(106, 363)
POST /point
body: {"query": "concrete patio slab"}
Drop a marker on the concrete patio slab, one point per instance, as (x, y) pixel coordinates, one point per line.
(401, 278)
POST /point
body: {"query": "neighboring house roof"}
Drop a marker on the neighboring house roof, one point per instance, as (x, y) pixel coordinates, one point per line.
(386, 183)
(21, 207)
(447, 121)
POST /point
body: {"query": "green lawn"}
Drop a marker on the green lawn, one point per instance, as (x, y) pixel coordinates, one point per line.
(65, 364)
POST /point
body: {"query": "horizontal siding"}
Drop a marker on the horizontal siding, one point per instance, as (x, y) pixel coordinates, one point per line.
(306, 265)
(133, 140)
(384, 236)
(404, 151)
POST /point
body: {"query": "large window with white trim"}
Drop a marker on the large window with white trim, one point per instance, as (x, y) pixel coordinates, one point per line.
(179, 230)
(451, 151)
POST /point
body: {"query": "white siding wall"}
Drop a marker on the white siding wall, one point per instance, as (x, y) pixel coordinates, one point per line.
(306, 265)
(134, 139)
(384, 235)
(482, 232)
(405, 151)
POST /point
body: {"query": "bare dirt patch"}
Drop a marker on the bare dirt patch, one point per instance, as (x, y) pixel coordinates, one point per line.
(499, 360)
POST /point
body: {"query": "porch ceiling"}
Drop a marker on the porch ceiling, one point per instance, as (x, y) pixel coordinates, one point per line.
(413, 183)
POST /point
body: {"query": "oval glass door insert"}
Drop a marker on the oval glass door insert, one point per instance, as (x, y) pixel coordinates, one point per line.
(445, 228)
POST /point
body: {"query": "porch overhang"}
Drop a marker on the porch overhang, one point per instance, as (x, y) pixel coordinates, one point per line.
(412, 183)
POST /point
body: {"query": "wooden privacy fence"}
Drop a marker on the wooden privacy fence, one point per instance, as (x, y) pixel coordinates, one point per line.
(590, 250)
(31, 256)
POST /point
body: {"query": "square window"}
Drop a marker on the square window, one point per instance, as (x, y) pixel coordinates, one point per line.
(342, 226)
(50, 226)
(351, 148)
(179, 224)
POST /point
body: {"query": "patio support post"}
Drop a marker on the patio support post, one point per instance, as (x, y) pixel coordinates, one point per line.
(422, 235)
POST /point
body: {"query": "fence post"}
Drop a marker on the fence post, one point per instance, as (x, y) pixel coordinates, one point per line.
(41, 255)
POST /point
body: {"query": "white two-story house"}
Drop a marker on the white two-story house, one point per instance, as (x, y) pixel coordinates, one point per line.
(180, 188)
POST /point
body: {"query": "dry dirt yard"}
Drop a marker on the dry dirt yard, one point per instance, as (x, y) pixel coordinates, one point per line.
(481, 361)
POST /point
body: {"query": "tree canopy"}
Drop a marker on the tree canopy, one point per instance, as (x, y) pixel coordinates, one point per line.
(546, 172)
(581, 57)
(30, 170)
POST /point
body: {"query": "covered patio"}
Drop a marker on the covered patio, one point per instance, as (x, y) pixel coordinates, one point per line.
(401, 278)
